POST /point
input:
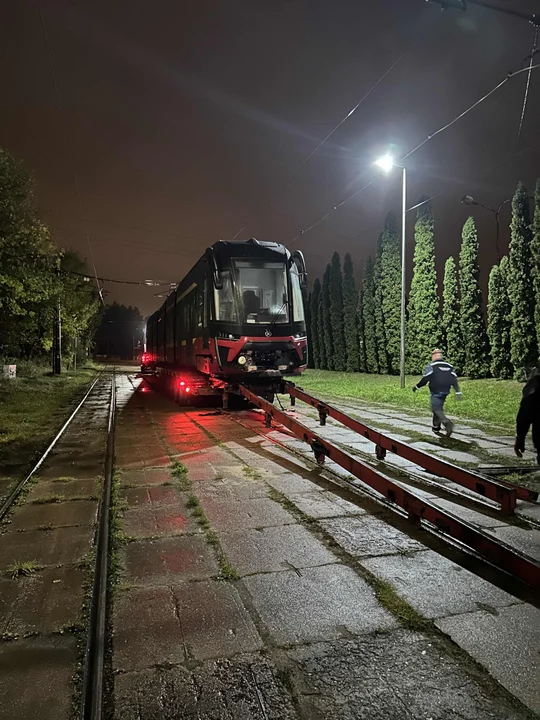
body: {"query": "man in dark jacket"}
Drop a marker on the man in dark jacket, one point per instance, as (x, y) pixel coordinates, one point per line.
(529, 414)
(440, 377)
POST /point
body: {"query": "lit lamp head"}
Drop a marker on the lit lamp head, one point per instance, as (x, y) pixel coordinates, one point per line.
(385, 163)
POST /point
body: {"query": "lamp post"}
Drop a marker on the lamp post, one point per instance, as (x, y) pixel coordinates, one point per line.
(387, 163)
(469, 200)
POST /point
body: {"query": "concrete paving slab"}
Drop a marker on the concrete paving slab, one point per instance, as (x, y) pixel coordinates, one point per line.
(234, 514)
(322, 603)
(153, 494)
(525, 540)
(459, 456)
(435, 586)
(45, 602)
(393, 676)
(215, 623)
(471, 516)
(507, 643)
(148, 476)
(273, 549)
(243, 688)
(147, 630)
(201, 620)
(36, 678)
(63, 514)
(369, 536)
(152, 520)
(322, 504)
(54, 547)
(287, 483)
(67, 490)
(160, 562)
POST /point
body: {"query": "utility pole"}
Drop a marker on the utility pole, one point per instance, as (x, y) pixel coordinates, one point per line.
(57, 332)
(533, 18)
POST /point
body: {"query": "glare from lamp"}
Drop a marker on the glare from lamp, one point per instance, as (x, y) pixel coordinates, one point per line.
(385, 163)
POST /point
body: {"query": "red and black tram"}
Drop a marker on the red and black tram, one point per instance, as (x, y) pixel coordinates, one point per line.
(236, 318)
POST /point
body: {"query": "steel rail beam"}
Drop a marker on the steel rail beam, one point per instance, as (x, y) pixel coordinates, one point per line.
(494, 551)
(94, 667)
(503, 493)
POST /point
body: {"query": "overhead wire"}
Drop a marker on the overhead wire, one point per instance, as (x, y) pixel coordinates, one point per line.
(527, 86)
(509, 76)
(349, 114)
(68, 144)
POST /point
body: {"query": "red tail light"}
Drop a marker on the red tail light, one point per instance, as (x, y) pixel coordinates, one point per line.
(188, 389)
(146, 358)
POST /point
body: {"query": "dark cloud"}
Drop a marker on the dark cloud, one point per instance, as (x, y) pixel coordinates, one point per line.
(187, 121)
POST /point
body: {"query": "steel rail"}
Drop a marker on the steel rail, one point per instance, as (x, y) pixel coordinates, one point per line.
(505, 494)
(92, 689)
(494, 551)
(6, 506)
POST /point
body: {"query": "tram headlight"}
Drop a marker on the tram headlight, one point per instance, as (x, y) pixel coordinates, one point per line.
(242, 360)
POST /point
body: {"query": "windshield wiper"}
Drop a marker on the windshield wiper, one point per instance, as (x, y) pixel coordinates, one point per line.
(276, 315)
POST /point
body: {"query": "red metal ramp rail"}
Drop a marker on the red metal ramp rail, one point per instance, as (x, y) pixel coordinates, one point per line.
(494, 551)
(502, 493)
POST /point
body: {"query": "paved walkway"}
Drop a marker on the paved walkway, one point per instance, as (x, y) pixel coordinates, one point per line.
(249, 590)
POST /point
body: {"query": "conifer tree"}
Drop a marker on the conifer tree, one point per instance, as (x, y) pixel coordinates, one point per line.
(350, 322)
(314, 311)
(524, 347)
(451, 318)
(368, 315)
(473, 330)
(391, 290)
(499, 321)
(307, 313)
(336, 313)
(380, 334)
(326, 322)
(535, 257)
(322, 346)
(361, 338)
(424, 329)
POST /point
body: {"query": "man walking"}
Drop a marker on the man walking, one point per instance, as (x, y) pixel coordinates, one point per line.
(440, 377)
(529, 414)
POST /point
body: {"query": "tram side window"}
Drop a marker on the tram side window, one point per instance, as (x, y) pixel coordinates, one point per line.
(224, 300)
(298, 300)
(200, 306)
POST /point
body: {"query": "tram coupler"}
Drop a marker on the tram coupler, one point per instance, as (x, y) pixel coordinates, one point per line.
(319, 451)
(380, 452)
(323, 414)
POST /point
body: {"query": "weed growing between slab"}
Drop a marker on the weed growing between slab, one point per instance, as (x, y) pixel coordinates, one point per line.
(226, 570)
(284, 501)
(23, 569)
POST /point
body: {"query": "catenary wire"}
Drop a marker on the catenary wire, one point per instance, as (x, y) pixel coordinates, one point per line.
(509, 76)
(349, 114)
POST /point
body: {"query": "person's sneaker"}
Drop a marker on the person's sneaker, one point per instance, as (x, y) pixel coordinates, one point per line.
(449, 429)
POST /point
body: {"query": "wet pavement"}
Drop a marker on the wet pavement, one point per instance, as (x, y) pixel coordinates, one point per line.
(49, 536)
(250, 589)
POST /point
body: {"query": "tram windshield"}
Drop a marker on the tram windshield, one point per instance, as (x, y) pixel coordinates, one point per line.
(262, 290)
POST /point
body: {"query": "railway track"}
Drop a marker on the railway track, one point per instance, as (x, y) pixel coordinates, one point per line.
(92, 691)
(402, 499)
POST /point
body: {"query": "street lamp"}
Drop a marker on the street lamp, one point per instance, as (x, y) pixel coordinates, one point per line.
(387, 163)
(469, 200)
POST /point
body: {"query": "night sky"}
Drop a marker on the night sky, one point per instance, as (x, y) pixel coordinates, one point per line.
(187, 119)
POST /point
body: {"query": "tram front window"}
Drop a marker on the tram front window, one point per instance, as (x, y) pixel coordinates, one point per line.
(262, 289)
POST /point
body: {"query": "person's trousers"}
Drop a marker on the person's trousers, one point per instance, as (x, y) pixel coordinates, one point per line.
(437, 408)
